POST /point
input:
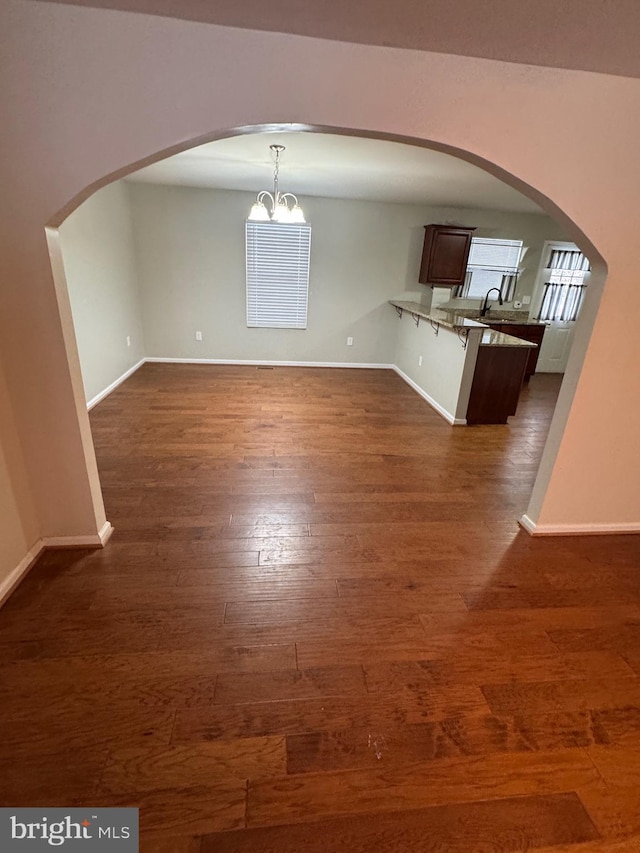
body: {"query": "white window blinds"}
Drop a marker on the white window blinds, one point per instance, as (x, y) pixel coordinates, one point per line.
(277, 274)
(496, 255)
(492, 263)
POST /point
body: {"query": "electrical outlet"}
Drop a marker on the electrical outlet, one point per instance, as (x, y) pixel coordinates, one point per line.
(198, 336)
(128, 340)
(419, 361)
(349, 342)
(526, 300)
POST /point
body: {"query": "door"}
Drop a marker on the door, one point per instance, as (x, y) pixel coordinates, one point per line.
(555, 349)
(558, 295)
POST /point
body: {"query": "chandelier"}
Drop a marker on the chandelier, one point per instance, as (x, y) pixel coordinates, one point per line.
(283, 207)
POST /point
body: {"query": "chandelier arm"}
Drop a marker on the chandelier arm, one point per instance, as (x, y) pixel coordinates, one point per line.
(266, 194)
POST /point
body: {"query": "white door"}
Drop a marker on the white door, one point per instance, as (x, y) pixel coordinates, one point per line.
(558, 294)
(555, 348)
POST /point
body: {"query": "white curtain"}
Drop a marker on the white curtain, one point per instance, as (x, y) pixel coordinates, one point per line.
(564, 292)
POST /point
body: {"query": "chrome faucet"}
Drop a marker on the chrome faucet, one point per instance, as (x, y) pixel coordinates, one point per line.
(485, 307)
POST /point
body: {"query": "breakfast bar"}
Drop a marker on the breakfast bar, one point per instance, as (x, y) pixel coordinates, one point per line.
(469, 373)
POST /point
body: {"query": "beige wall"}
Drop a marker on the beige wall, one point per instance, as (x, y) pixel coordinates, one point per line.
(99, 262)
(191, 259)
(191, 263)
(88, 91)
(438, 366)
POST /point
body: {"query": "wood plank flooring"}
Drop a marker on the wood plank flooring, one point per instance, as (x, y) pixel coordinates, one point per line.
(318, 628)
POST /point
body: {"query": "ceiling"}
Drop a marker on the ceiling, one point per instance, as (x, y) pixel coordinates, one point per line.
(320, 164)
(587, 35)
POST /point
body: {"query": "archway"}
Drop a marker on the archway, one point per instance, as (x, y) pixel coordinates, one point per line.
(547, 204)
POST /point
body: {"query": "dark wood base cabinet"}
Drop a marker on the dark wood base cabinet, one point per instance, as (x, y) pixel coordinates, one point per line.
(526, 332)
(496, 384)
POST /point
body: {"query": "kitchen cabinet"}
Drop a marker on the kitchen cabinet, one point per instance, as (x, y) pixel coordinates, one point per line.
(533, 332)
(497, 380)
(467, 372)
(445, 255)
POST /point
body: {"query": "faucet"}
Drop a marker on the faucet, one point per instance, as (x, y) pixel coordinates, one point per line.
(485, 307)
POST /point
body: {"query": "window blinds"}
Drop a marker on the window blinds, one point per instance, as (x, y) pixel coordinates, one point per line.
(492, 263)
(499, 255)
(277, 274)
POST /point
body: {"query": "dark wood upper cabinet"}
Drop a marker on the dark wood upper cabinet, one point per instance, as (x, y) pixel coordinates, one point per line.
(445, 255)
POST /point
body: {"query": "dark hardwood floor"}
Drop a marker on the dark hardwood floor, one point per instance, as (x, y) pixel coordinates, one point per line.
(318, 628)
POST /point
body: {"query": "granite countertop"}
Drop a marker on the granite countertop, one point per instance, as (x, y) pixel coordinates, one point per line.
(491, 338)
(448, 319)
(498, 316)
(451, 320)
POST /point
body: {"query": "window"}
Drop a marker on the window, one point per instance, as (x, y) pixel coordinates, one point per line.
(564, 285)
(277, 274)
(492, 263)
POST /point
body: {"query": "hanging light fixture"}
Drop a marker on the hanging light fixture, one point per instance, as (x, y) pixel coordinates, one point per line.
(284, 206)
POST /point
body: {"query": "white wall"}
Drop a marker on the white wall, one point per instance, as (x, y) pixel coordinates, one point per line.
(191, 264)
(99, 262)
(89, 93)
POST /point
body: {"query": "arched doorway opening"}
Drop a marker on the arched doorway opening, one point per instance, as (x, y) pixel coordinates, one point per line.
(545, 203)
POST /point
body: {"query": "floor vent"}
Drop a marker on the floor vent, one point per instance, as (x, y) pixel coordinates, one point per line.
(264, 367)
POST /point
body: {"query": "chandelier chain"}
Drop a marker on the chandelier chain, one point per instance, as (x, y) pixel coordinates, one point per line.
(284, 206)
(276, 172)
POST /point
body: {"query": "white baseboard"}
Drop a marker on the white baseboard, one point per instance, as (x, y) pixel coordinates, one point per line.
(99, 397)
(434, 405)
(608, 529)
(527, 524)
(98, 540)
(13, 578)
(269, 363)
(95, 540)
(105, 533)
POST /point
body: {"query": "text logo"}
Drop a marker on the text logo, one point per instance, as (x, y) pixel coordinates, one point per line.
(104, 830)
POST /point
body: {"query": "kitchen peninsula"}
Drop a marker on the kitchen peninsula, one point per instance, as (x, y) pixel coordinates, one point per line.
(468, 372)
